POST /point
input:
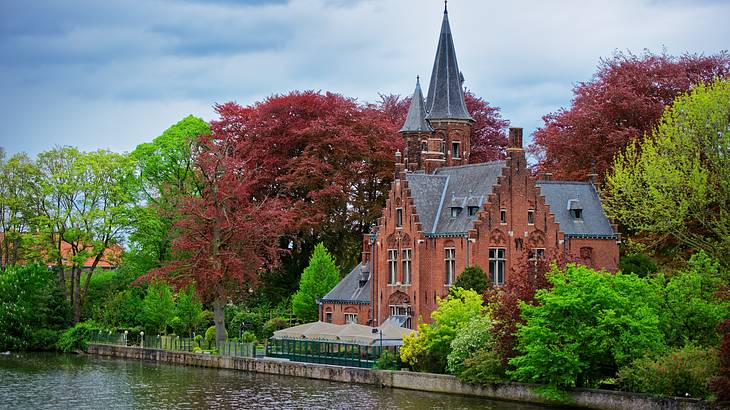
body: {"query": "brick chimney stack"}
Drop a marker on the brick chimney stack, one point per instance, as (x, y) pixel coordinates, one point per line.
(515, 139)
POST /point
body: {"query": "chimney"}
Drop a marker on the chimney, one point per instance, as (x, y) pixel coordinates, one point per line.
(400, 167)
(515, 138)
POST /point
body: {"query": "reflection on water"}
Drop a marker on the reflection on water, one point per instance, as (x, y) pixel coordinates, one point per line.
(53, 381)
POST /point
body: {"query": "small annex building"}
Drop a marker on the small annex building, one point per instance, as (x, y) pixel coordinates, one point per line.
(444, 214)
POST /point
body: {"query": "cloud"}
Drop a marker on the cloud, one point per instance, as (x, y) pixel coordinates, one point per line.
(118, 72)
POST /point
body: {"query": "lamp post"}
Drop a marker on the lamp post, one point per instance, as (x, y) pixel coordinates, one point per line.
(380, 331)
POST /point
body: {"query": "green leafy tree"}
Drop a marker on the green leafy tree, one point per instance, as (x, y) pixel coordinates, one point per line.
(188, 312)
(317, 279)
(476, 335)
(473, 278)
(639, 264)
(428, 350)
(586, 327)
(677, 183)
(158, 307)
(18, 188)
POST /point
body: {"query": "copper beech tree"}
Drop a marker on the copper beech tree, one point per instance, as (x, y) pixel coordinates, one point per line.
(620, 104)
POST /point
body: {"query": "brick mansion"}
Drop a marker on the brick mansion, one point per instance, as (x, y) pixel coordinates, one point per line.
(444, 214)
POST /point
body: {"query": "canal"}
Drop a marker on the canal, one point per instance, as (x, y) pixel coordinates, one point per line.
(55, 381)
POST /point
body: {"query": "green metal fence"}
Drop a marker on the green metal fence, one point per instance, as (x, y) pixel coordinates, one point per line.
(173, 343)
(326, 352)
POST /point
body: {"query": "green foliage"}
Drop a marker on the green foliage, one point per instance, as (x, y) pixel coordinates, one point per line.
(428, 351)
(692, 307)
(317, 279)
(639, 264)
(482, 366)
(686, 370)
(210, 335)
(124, 309)
(31, 306)
(473, 278)
(476, 335)
(274, 324)
(255, 318)
(586, 327)
(158, 308)
(188, 312)
(677, 182)
(77, 338)
(386, 361)
(248, 337)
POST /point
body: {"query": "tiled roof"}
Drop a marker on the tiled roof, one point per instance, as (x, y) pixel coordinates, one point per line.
(563, 196)
(350, 289)
(445, 96)
(416, 118)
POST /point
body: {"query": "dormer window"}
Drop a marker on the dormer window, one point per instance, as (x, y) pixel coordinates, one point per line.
(473, 210)
(456, 150)
(575, 209)
(455, 211)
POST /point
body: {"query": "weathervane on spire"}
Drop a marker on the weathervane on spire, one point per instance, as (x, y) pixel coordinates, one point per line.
(445, 9)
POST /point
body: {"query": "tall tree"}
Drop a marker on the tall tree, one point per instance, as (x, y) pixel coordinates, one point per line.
(18, 177)
(488, 137)
(86, 202)
(623, 101)
(317, 279)
(167, 175)
(677, 183)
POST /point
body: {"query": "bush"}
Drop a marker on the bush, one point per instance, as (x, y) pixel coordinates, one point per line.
(248, 337)
(637, 263)
(210, 335)
(586, 327)
(683, 371)
(123, 309)
(274, 324)
(483, 366)
(188, 312)
(476, 335)
(720, 384)
(158, 308)
(77, 338)
(428, 350)
(44, 339)
(386, 361)
(473, 278)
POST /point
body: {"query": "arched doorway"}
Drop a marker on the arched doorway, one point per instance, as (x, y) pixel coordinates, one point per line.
(399, 305)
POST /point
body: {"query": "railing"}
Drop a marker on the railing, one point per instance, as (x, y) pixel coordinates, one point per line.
(172, 343)
(326, 352)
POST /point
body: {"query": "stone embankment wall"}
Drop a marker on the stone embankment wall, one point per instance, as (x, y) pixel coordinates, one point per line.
(597, 399)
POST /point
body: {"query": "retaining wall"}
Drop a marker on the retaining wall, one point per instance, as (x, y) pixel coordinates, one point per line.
(597, 399)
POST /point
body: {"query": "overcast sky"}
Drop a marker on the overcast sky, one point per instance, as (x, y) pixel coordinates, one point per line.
(115, 73)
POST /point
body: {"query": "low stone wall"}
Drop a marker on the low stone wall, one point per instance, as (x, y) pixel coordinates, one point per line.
(439, 383)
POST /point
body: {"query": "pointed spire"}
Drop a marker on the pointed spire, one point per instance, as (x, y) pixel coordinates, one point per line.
(416, 118)
(445, 99)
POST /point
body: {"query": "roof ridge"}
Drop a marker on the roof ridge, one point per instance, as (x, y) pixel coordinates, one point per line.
(470, 165)
(563, 182)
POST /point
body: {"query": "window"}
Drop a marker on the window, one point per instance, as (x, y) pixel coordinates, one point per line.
(497, 265)
(350, 318)
(424, 146)
(530, 217)
(398, 217)
(456, 150)
(576, 213)
(586, 253)
(503, 216)
(328, 317)
(392, 265)
(406, 266)
(455, 211)
(442, 147)
(536, 254)
(449, 265)
(473, 210)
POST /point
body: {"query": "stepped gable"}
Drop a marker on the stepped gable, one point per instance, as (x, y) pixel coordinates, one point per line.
(351, 288)
(593, 223)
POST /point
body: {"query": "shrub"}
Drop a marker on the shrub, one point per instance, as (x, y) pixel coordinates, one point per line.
(683, 371)
(210, 335)
(78, 337)
(44, 339)
(386, 361)
(482, 366)
(476, 335)
(720, 384)
(188, 312)
(428, 351)
(639, 264)
(473, 278)
(248, 337)
(158, 308)
(274, 324)
(586, 327)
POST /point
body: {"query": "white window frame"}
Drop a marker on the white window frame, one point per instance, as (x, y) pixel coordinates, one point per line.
(536, 254)
(407, 266)
(456, 149)
(350, 318)
(497, 265)
(503, 216)
(449, 266)
(392, 266)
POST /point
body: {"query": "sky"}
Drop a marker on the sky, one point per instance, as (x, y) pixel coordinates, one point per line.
(116, 73)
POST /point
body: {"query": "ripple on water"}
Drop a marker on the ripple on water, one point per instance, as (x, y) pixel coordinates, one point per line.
(53, 381)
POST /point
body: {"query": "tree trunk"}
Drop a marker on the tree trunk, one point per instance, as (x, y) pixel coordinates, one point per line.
(77, 295)
(219, 318)
(72, 280)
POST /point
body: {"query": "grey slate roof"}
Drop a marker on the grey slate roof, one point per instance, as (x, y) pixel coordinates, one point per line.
(445, 96)
(349, 289)
(463, 186)
(416, 118)
(563, 196)
(469, 185)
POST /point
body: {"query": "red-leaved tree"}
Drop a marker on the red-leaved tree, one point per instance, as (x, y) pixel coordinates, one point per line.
(488, 137)
(622, 102)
